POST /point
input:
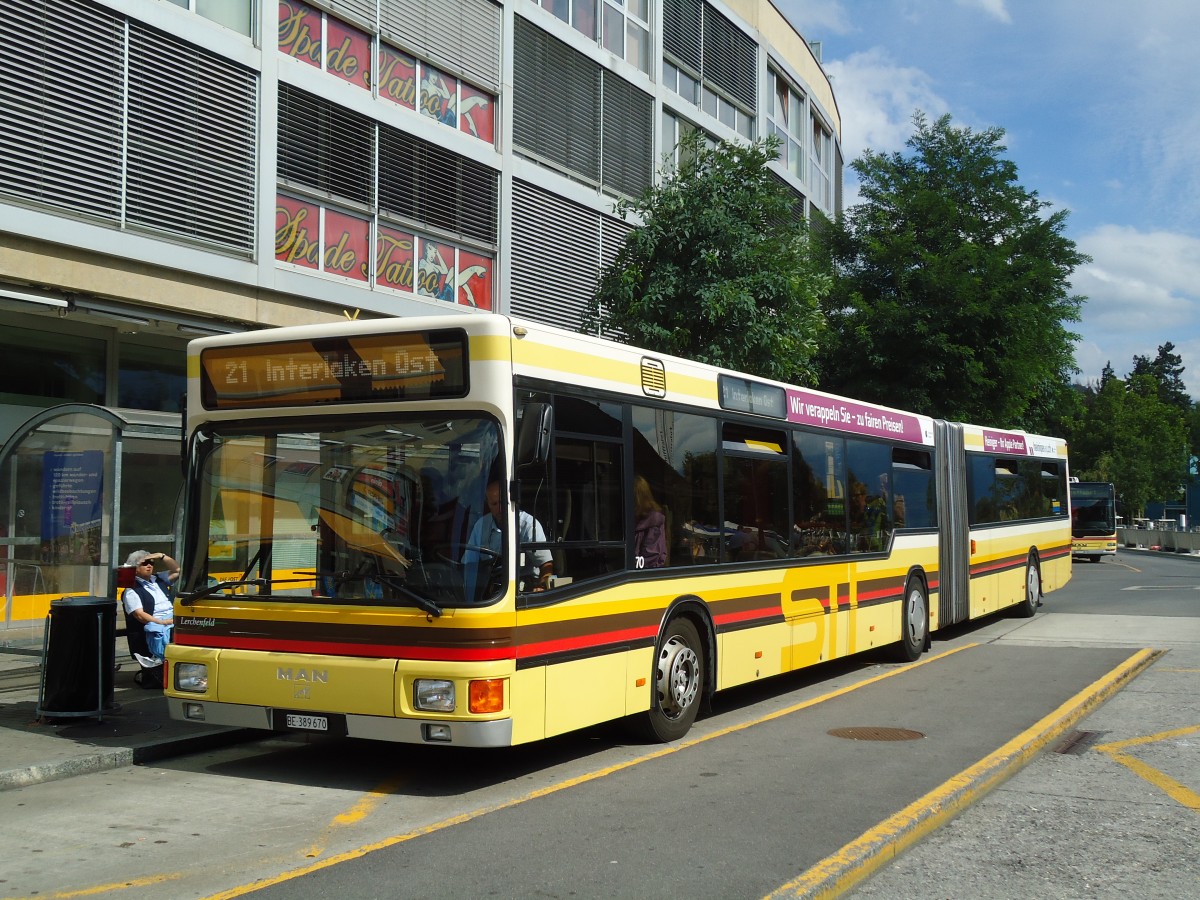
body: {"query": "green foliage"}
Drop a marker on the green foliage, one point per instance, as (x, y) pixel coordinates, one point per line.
(1130, 436)
(719, 270)
(951, 286)
(1166, 370)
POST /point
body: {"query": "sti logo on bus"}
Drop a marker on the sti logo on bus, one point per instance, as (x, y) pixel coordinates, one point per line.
(303, 676)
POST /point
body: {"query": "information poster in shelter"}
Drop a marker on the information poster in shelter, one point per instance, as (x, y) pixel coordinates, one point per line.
(72, 491)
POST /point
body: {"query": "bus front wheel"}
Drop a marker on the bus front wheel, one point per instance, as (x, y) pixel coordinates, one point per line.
(678, 683)
(1033, 590)
(914, 622)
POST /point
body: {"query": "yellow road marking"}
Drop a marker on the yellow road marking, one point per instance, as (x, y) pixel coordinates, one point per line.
(359, 811)
(105, 888)
(877, 846)
(462, 818)
(1165, 783)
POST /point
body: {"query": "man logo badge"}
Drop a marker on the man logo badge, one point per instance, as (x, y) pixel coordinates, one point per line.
(303, 676)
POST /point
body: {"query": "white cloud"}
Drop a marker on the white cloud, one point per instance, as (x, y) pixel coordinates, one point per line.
(818, 16)
(994, 8)
(877, 98)
(1143, 290)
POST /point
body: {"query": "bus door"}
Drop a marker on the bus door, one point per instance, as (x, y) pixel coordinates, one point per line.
(954, 547)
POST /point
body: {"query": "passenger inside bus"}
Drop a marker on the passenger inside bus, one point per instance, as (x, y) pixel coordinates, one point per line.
(649, 530)
(868, 518)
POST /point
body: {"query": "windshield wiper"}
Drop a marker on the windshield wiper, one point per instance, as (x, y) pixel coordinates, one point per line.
(422, 603)
(211, 589)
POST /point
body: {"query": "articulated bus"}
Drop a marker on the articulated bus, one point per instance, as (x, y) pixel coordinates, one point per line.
(1093, 519)
(434, 530)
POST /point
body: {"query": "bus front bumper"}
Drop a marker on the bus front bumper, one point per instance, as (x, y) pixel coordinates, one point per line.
(492, 733)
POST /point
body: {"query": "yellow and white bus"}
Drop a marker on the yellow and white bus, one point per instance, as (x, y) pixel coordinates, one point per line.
(662, 530)
(1093, 519)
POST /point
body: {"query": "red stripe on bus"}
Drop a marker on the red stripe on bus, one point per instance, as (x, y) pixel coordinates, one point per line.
(585, 642)
(376, 651)
(747, 615)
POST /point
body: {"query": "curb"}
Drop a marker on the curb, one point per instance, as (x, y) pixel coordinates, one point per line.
(861, 858)
(119, 757)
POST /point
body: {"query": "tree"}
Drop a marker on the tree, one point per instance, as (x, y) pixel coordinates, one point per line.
(719, 270)
(1150, 456)
(1167, 371)
(1131, 437)
(951, 285)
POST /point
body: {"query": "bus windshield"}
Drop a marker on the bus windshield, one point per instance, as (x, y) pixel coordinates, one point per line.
(360, 512)
(1093, 511)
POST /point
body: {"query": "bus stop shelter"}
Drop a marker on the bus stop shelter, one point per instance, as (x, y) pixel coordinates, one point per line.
(81, 486)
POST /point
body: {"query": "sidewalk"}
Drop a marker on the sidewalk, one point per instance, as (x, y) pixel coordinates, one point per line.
(137, 730)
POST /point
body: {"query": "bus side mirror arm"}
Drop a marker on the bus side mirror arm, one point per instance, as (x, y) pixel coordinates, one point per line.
(533, 440)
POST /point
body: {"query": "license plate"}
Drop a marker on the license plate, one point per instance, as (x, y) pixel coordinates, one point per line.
(307, 723)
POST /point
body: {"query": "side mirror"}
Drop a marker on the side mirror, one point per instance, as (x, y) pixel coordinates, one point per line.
(533, 439)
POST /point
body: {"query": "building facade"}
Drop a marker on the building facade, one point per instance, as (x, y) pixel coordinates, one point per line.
(174, 168)
(171, 168)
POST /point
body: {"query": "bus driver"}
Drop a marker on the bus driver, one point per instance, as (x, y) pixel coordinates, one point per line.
(488, 535)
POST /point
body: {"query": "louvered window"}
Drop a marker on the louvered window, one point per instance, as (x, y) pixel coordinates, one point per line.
(432, 186)
(362, 11)
(628, 142)
(83, 89)
(796, 211)
(566, 108)
(61, 112)
(191, 140)
(683, 32)
(324, 147)
(730, 58)
(463, 34)
(558, 251)
(700, 44)
(556, 102)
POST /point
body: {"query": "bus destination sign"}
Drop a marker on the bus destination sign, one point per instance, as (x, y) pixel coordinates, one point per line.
(363, 368)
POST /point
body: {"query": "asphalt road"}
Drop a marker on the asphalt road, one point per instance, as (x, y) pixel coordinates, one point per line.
(759, 794)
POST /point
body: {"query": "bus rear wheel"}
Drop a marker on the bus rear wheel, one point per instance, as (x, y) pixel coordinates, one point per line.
(1033, 590)
(678, 683)
(914, 622)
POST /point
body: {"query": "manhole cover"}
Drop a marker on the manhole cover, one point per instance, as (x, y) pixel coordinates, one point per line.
(875, 733)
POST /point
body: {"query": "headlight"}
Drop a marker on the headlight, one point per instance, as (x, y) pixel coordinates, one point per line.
(191, 677)
(433, 695)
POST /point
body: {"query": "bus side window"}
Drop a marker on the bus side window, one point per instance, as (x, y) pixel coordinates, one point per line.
(914, 501)
(676, 453)
(869, 467)
(818, 495)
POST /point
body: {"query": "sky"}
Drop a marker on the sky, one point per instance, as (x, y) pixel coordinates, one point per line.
(1099, 103)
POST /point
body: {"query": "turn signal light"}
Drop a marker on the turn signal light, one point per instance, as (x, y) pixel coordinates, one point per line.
(486, 696)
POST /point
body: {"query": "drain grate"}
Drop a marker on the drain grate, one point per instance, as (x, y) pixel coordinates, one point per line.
(876, 733)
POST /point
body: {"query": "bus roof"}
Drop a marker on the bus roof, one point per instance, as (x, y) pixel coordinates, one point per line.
(556, 355)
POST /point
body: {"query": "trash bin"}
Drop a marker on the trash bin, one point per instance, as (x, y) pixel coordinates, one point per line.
(77, 657)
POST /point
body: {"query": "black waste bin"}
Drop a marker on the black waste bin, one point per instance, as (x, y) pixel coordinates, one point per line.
(77, 657)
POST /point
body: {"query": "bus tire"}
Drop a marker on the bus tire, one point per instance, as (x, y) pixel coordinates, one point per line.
(1033, 590)
(678, 683)
(914, 622)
